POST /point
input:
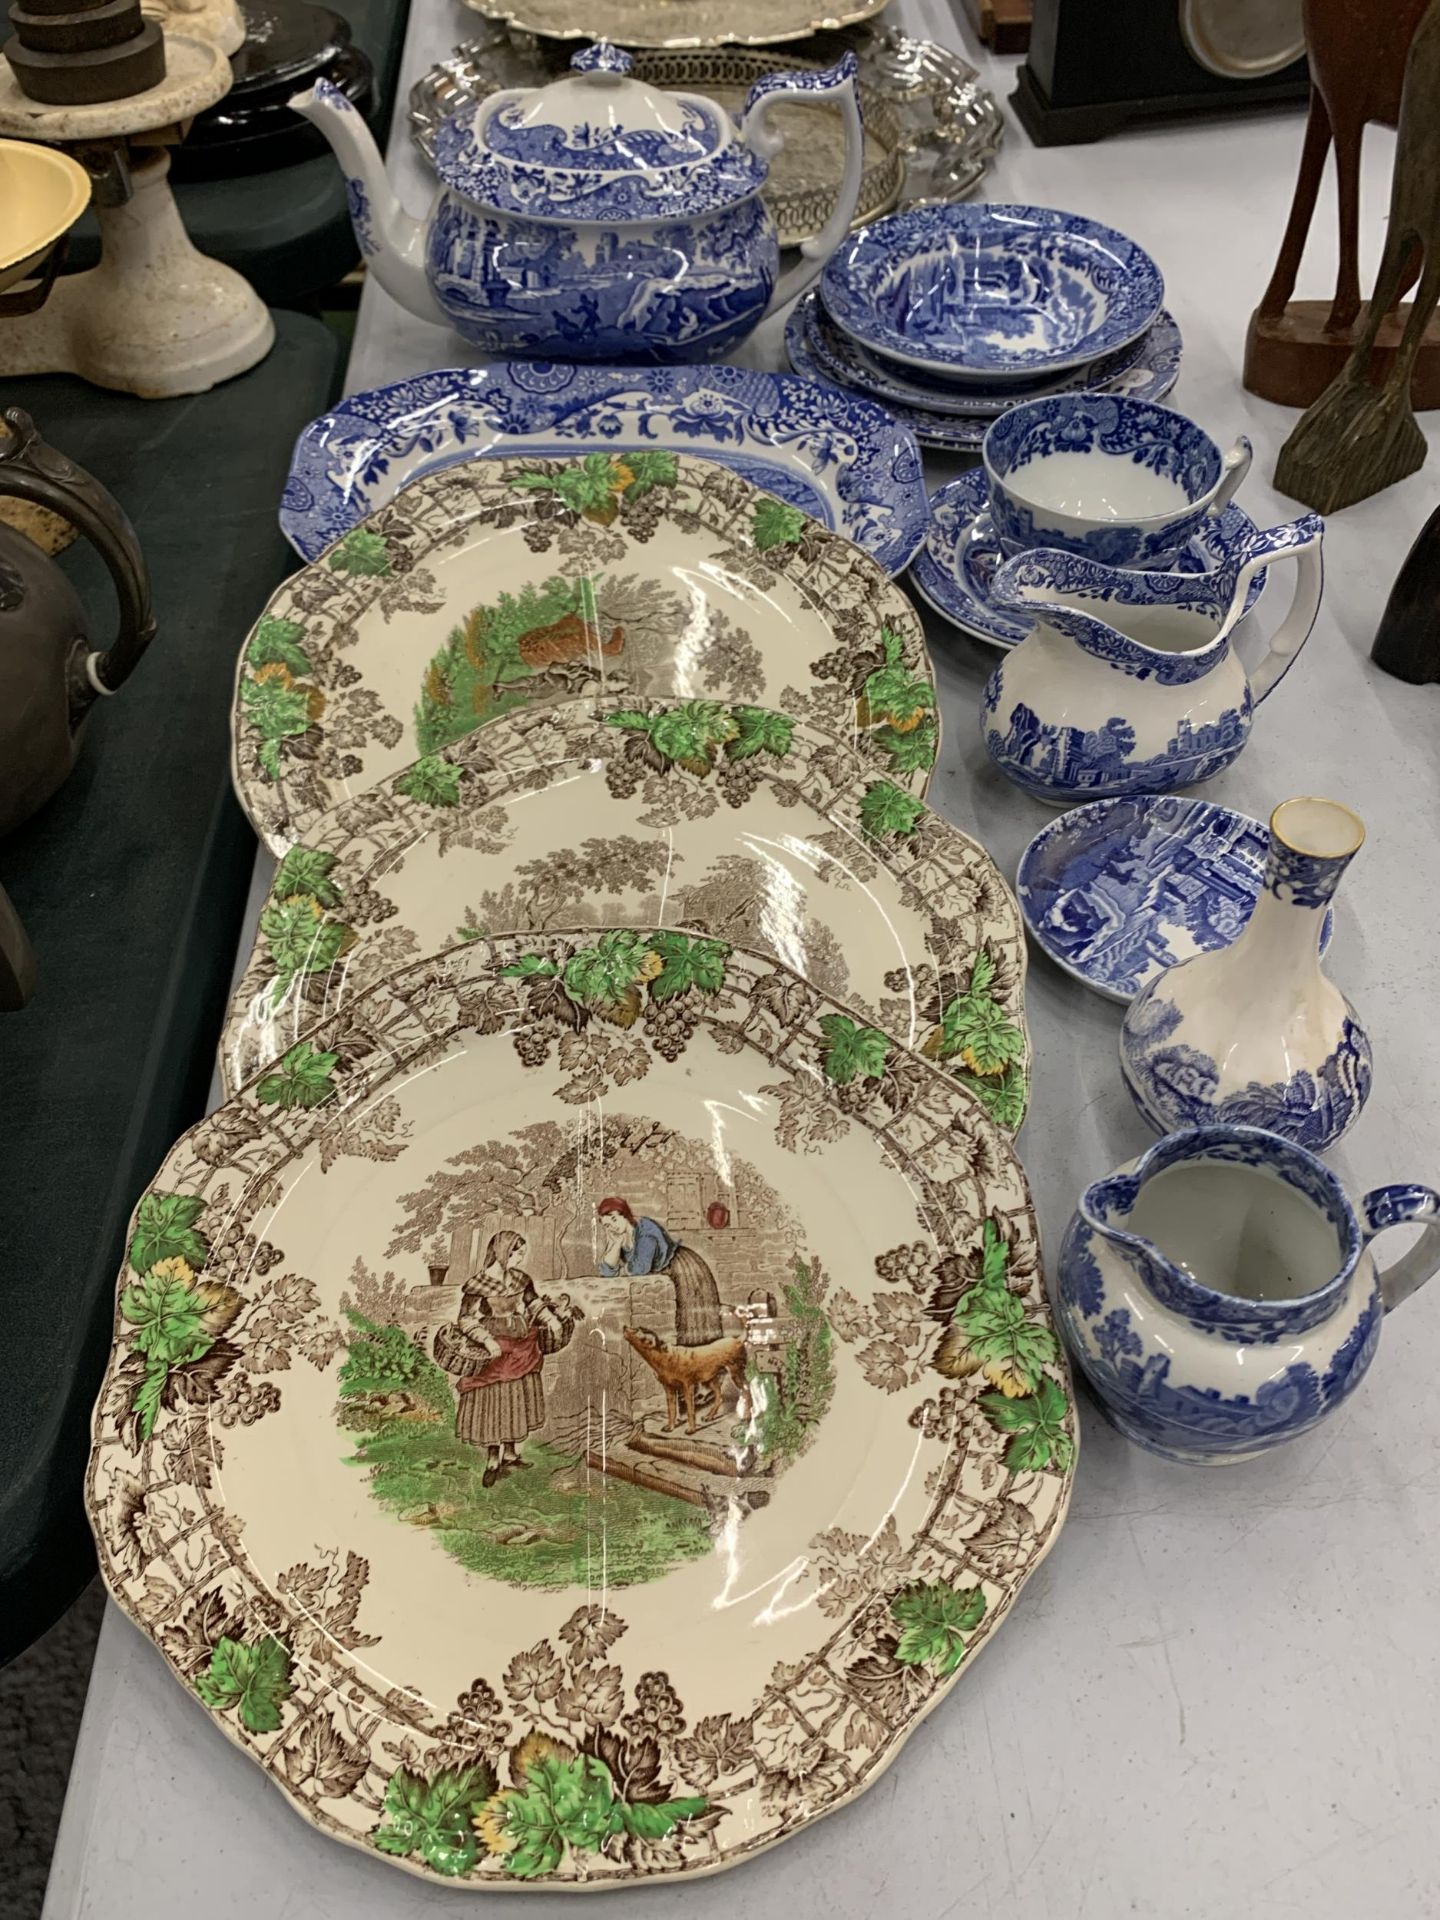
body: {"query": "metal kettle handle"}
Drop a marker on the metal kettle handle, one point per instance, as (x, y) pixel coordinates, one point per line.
(17, 959)
(31, 469)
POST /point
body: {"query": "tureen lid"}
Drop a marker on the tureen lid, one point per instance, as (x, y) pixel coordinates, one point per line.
(597, 144)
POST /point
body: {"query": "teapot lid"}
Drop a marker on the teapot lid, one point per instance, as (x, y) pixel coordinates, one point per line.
(597, 144)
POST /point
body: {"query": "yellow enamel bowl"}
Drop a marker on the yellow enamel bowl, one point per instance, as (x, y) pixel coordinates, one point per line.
(42, 194)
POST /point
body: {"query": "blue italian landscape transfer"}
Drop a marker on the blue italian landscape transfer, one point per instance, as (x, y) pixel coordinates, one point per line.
(665, 294)
(1175, 1084)
(843, 461)
(992, 289)
(1049, 759)
(1118, 891)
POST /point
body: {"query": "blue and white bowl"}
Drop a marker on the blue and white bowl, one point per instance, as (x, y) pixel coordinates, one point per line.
(1118, 892)
(1116, 480)
(992, 293)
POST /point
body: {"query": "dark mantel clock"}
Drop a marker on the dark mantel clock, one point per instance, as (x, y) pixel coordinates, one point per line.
(1096, 64)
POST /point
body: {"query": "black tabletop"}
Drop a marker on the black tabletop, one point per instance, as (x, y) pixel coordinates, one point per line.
(131, 884)
(289, 231)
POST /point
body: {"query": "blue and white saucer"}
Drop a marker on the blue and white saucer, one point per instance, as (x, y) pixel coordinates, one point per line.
(1117, 891)
(952, 571)
(818, 349)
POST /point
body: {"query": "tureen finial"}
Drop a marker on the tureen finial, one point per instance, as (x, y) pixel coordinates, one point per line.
(601, 58)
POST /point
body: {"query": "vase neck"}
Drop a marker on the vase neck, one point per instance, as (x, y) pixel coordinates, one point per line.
(1299, 887)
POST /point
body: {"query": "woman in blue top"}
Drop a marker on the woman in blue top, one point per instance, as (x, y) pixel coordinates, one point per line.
(643, 1246)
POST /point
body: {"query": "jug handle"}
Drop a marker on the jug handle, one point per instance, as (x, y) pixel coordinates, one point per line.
(1298, 540)
(835, 86)
(31, 469)
(1409, 1205)
(17, 959)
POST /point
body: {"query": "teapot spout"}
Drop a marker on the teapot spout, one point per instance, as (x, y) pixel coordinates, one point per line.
(392, 240)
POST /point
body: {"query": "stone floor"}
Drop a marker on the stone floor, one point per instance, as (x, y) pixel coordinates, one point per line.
(41, 1698)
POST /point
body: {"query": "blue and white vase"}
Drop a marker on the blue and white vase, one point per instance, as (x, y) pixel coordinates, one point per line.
(1255, 1034)
(1220, 1296)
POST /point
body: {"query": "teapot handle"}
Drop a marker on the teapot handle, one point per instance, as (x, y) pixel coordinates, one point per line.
(1297, 540)
(834, 86)
(1409, 1205)
(31, 469)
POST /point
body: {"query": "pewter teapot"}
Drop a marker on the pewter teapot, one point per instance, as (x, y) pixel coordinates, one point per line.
(596, 217)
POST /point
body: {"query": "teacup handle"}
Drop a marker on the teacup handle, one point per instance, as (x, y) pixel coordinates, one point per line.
(834, 86)
(1298, 540)
(1399, 1207)
(1232, 471)
(982, 534)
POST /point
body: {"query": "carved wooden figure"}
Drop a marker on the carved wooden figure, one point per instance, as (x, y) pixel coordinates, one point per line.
(1295, 348)
(1408, 641)
(1359, 436)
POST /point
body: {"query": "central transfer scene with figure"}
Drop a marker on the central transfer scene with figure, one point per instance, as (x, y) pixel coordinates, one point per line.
(613, 1351)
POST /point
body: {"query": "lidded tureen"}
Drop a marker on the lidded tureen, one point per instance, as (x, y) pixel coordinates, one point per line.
(596, 217)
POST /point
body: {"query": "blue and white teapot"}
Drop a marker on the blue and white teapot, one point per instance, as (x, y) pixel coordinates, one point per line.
(594, 218)
(1129, 682)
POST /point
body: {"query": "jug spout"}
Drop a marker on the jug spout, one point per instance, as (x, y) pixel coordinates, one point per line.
(392, 240)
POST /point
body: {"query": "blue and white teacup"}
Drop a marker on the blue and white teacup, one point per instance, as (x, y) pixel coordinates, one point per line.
(1116, 480)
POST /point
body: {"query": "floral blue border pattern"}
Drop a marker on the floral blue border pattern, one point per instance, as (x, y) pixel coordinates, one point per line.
(1303, 879)
(842, 460)
(808, 335)
(539, 190)
(967, 286)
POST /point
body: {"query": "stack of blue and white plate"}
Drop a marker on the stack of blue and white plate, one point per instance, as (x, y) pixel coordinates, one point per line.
(949, 315)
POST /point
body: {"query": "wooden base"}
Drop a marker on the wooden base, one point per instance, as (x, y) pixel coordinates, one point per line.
(1003, 25)
(1292, 359)
(1356, 440)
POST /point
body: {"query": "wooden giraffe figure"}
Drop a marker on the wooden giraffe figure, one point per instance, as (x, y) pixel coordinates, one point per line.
(1357, 51)
(1360, 436)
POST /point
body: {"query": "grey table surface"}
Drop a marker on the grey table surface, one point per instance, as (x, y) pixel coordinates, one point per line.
(1221, 1691)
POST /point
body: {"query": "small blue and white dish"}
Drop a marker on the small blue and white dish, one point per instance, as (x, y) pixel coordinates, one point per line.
(1117, 892)
(809, 340)
(1106, 476)
(991, 292)
(841, 459)
(953, 570)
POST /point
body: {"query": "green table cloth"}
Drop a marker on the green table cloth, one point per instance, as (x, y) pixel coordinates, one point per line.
(131, 883)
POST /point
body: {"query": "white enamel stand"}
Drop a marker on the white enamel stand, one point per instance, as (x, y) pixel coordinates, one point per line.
(156, 317)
